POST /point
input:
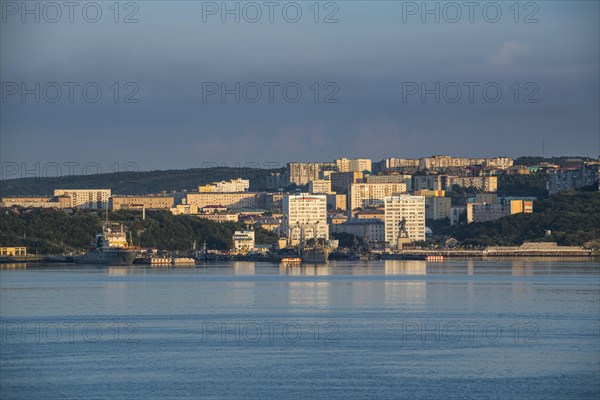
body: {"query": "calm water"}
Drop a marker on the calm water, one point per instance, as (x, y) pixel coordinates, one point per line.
(460, 329)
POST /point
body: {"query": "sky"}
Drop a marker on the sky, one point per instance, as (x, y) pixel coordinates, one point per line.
(183, 84)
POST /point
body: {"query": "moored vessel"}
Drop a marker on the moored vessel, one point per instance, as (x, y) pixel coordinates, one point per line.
(110, 248)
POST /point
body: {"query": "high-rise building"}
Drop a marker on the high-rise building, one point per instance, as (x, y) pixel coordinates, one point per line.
(354, 165)
(372, 194)
(391, 178)
(341, 181)
(404, 211)
(305, 217)
(302, 173)
(319, 186)
(86, 198)
(482, 212)
(569, 179)
(437, 207)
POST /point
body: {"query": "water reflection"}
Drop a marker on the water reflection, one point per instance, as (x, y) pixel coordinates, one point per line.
(400, 267)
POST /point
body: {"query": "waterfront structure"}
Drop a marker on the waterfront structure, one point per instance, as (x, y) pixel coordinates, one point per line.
(319, 186)
(404, 219)
(231, 186)
(13, 251)
(372, 194)
(482, 212)
(353, 165)
(305, 217)
(371, 231)
(149, 202)
(569, 179)
(243, 241)
(229, 200)
(341, 181)
(86, 198)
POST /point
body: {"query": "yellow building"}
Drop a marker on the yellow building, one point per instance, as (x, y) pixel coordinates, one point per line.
(13, 251)
(138, 202)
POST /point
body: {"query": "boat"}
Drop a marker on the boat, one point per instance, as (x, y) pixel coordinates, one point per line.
(314, 254)
(291, 260)
(110, 248)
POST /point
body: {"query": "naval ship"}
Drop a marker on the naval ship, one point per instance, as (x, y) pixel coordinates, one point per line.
(110, 248)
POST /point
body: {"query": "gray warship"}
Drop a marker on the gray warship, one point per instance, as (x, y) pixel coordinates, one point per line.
(110, 248)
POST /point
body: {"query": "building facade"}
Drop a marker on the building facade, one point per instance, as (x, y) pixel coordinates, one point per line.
(229, 200)
(407, 208)
(341, 181)
(372, 194)
(156, 202)
(305, 217)
(97, 199)
(232, 186)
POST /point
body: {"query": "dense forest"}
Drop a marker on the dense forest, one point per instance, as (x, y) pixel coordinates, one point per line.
(55, 231)
(134, 182)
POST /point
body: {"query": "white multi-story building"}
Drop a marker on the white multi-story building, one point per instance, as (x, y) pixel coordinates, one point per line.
(232, 186)
(372, 194)
(305, 217)
(86, 198)
(411, 210)
(318, 186)
(354, 165)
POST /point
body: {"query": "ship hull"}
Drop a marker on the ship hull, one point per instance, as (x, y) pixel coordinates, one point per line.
(315, 255)
(107, 257)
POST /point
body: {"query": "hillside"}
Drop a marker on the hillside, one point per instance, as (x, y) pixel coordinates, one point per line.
(136, 182)
(573, 218)
(54, 231)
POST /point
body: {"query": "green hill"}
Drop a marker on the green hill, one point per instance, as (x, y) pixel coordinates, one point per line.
(136, 182)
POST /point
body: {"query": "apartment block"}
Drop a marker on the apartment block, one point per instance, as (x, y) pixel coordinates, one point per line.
(337, 202)
(438, 207)
(229, 200)
(482, 212)
(407, 210)
(341, 181)
(86, 198)
(569, 179)
(234, 185)
(353, 165)
(305, 216)
(319, 186)
(391, 178)
(302, 173)
(372, 194)
(483, 183)
(151, 202)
